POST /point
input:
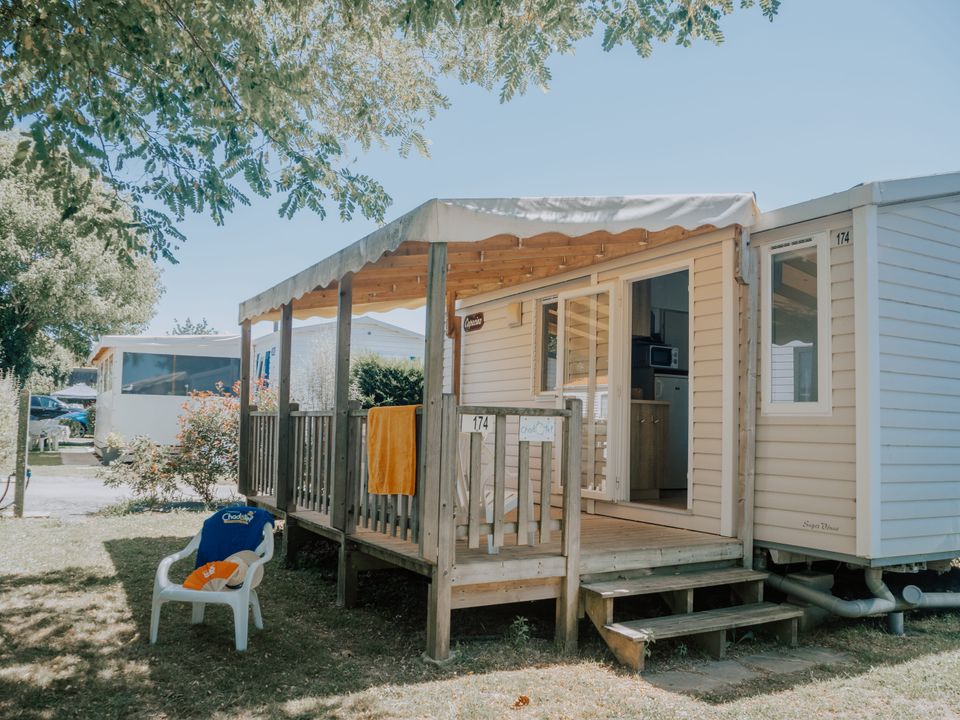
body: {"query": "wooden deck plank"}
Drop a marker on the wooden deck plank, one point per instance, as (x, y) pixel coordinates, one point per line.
(606, 545)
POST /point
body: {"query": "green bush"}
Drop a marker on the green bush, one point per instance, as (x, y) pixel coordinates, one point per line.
(208, 453)
(387, 382)
(150, 473)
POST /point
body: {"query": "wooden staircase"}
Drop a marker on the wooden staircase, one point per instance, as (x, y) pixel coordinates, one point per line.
(707, 628)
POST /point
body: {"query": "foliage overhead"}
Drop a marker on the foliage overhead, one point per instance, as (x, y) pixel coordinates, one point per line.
(59, 290)
(192, 105)
(188, 327)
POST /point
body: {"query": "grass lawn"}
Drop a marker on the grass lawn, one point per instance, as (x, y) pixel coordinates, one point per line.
(74, 617)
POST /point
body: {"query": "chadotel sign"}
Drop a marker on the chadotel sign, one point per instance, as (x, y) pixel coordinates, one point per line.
(473, 322)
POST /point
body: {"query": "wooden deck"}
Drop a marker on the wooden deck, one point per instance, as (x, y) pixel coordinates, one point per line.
(607, 545)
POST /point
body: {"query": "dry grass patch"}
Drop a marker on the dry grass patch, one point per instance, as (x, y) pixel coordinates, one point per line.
(74, 613)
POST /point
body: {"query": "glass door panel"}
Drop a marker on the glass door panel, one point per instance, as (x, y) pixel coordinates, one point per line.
(585, 339)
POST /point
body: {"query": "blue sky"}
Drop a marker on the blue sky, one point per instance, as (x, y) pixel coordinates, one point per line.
(831, 94)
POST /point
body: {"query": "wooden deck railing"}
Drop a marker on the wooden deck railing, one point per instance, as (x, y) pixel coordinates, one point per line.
(263, 452)
(312, 471)
(495, 471)
(394, 515)
(498, 481)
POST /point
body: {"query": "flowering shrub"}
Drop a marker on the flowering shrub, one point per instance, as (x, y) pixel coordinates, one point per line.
(209, 441)
(264, 396)
(150, 472)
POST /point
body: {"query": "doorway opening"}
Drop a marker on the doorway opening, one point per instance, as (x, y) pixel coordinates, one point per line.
(659, 390)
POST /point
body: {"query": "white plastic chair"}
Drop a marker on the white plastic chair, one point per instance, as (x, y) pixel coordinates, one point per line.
(242, 599)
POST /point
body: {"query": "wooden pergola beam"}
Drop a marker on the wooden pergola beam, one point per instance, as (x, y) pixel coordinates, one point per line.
(473, 268)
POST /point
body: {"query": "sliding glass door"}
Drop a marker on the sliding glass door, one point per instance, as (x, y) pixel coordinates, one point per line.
(585, 365)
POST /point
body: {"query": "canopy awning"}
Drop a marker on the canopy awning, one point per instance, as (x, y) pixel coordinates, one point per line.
(80, 391)
(494, 241)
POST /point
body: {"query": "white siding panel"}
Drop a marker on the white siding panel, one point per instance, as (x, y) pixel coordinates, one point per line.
(806, 466)
(919, 394)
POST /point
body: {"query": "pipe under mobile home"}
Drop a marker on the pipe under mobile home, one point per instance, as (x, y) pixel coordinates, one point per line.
(850, 608)
(930, 601)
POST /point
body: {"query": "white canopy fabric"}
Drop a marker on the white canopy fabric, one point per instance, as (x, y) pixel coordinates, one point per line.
(473, 220)
(80, 391)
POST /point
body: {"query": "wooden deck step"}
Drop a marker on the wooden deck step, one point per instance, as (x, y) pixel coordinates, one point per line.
(708, 628)
(729, 618)
(651, 584)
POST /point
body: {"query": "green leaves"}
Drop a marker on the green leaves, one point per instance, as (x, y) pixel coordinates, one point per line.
(60, 290)
(185, 106)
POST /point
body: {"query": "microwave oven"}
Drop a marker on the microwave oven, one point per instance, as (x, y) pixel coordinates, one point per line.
(649, 355)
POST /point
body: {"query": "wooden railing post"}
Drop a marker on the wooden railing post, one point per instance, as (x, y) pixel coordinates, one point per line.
(566, 634)
(439, 606)
(432, 397)
(285, 500)
(244, 456)
(341, 405)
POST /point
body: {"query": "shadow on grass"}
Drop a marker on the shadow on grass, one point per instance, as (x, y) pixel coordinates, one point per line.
(73, 643)
(309, 653)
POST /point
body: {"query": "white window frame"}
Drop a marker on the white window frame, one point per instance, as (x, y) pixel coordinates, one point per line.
(538, 390)
(824, 404)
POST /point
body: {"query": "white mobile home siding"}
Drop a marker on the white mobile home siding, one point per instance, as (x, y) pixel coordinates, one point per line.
(918, 252)
(806, 466)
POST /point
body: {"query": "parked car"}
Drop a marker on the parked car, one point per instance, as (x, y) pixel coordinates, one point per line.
(44, 407)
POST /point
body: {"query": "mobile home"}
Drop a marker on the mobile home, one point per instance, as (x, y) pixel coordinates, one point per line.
(313, 348)
(143, 382)
(647, 395)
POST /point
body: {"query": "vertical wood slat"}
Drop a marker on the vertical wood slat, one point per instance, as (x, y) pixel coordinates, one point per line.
(524, 495)
(353, 473)
(253, 455)
(546, 485)
(263, 484)
(295, 427)
(499, 479)
(262, 457)
(365, 497)
(404, 516)
(417, 503)
(475, 490)
(315, 462)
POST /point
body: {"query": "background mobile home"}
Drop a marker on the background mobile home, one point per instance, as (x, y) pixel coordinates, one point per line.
(143, 382)
(313, 350)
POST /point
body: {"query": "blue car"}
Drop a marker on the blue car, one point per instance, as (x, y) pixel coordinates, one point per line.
(45, 407)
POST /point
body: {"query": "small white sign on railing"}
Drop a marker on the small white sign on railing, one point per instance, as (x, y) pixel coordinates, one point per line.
(538, 429)
(477, 423)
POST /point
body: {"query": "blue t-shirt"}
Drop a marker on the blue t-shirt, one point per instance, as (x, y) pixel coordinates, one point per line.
(229, 531)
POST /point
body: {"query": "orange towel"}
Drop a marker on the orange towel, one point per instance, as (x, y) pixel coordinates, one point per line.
(392, 450)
